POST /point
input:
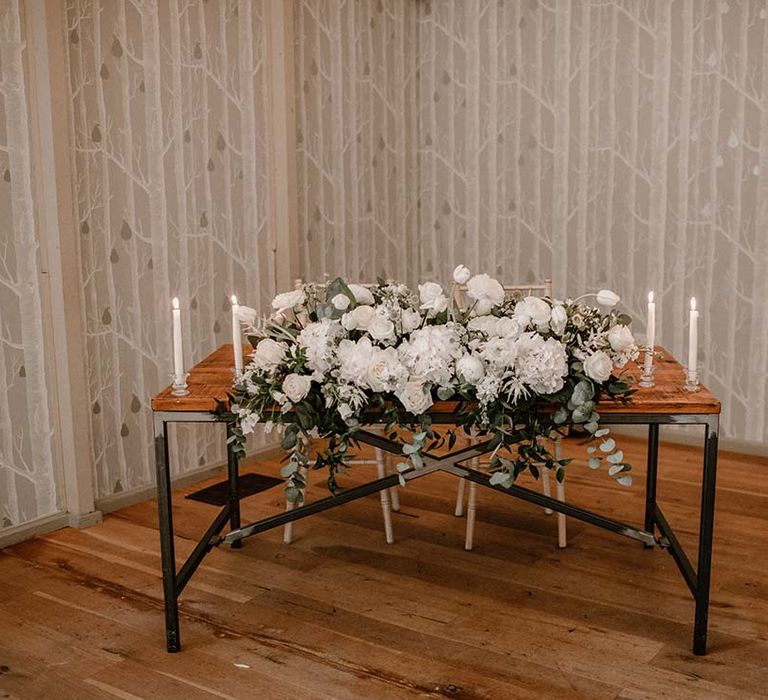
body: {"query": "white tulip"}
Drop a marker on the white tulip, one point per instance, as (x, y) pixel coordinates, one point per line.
(289, 300)
(559, 319)
(432, 298)
(461, 274)
(607, 298)
(620, 338)
(362, 295)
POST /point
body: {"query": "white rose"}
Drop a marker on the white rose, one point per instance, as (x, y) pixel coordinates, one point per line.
(269, 354)
(289, 300)
(358, 318)
(296, 387)
(414, 397)
(385, 372)
(381, 328)
(533, 309)
(486, 291)
(461, 274)
(620, 338)
(340, 302)
(559, 319)
(432, 298)
(362, 294)
(598, 366)
(247, 315)
(470, 369)
(607, 298)
(411, 320)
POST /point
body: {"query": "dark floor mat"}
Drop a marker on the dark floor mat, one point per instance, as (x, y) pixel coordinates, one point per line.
(218, 494)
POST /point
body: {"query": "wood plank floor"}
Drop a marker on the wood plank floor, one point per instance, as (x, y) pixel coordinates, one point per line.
(340, 614)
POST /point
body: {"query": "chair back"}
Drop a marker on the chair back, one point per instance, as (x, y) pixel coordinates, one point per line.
(542, 289)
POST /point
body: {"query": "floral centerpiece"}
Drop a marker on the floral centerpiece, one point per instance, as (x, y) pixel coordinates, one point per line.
(519, 369)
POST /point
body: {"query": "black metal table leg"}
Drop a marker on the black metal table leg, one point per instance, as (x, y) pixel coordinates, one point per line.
(705, 536)
(172, 639)
(650, 480)
(233, 469)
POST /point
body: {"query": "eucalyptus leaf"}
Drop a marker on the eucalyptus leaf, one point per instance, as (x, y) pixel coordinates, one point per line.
(594, 462)
(625, 480)
(561, 415)
(445, 392)
(418, 462)
(601, 432)
(591, 427)
(289, 469)
(403, 467)
(498, 478)
(614, 469)
(292, 494)
(616, 457)
(608, 445)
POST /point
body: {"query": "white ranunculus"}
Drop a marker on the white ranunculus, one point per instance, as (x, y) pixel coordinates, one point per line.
(486, 291)
(461, 274)
(269, 354)
(411, 320)
(620, 338)
(533, 310)
(296, 387)
(340, 302)
(415, 397)
(381, 327)
(246, 315)
(289, 300)
(598, 366)
(358, 319)
(559, 319)
(385, 371)
(432, 298)
(470, 369)
(362, 295)
(607, 298)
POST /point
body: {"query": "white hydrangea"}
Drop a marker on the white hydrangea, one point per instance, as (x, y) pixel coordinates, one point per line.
(353, 360)
(318, 340)
(431, 352)
(541, 364)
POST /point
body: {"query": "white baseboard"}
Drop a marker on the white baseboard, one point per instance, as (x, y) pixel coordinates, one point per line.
(26, 531)
(693, 436)
(126, 498)
(41, 526)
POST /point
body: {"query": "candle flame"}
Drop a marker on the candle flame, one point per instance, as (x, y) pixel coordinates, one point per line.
(693, 303)
(175, 302)
(234, 300)
(650, 297)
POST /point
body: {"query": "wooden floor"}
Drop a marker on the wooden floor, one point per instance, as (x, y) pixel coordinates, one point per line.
(340, 614)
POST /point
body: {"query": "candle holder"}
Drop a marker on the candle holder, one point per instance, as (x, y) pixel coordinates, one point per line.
(692, 380)
(646, 378)
(179, 384)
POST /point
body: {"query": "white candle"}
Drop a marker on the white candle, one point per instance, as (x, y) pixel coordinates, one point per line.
(651, 323)
(237, 341)
(693, 336)
(178, 355)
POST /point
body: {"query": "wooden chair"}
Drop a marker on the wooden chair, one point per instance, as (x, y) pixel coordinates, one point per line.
(545, 290)
(389, 497)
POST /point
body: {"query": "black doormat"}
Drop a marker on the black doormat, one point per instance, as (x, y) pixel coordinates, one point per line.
(218, 494)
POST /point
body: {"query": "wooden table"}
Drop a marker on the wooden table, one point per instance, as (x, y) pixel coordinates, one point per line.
(666, 403)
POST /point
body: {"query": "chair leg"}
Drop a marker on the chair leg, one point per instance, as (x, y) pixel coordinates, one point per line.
(459, 510)
(471, 511)
(394, 496)
(546, 487)
(288, 527)
(561, 534)
(384, 495)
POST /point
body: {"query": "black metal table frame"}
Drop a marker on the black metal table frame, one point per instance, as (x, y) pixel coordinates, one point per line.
(698, 579)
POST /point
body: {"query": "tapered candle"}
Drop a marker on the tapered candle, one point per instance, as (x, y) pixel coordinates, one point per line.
(178, 354)
(651, 324)
(693, 336)
(237, 341)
